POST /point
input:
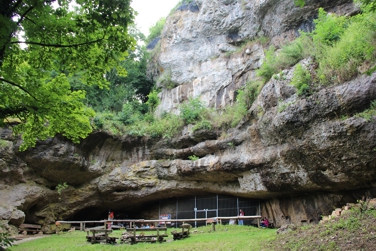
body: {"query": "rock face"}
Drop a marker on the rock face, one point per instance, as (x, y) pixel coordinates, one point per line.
(300, 161)
(206, 48)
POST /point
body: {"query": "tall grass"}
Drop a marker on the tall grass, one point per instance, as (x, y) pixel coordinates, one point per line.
(342, 47)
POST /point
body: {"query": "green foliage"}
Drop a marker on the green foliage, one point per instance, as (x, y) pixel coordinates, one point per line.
(153, 101)
(190, 111)
(4, 143)
(369, 5)
(369, 113)
(61, 45)
(166, 127)
(133, 87)
(156, 30)
(299, 3)
(98, 122)
(328, 28)
(203, 124)
(231, 145)
(301, 80)
(342, 47)
(5, 241)
(193, 157)
(352, 54)
(165, 80)
(131, 113)
(61, 186)
(287, 56)
(245, 98)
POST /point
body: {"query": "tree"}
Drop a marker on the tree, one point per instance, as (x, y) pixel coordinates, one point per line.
(371, 4)
(58, 44)
(123, 89)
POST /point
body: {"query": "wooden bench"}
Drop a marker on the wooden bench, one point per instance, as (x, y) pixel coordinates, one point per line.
(100, 235)
(30, 228)
(132, 237)
(184, 233)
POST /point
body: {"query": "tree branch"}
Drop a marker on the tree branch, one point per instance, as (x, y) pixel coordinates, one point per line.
(18, 86)
(24, 15)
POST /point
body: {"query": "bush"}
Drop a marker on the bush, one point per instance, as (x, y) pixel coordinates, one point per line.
(191, 110)
(301, 80)
(328, 28)
(287, 56)
(98, 122)
(203, 124)
(351, 53)
(153, 101)
(5, 241)
(130, 114)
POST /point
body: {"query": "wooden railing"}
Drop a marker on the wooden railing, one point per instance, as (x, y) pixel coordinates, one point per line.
(132, 222)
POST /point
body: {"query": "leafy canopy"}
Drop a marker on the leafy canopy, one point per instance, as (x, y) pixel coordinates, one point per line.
(58, 44)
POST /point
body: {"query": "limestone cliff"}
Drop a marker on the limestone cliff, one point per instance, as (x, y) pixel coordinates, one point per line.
(199, 47)
(300, 161)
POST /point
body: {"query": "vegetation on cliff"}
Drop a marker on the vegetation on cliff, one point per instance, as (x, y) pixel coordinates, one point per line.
(49, 94)
(340, 48)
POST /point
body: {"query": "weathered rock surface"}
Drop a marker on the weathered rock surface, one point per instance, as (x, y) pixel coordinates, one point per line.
(203, 52)
(315, 152)
(300, 161)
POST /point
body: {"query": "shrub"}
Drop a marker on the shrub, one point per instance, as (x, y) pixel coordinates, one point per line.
(156, 30)
(98, 122)
(193, 157)
(166, 127)
(153, 101)
(287, 56)
(328, 28)
(369, 113)
(301, 80)
(245, 99)
(268, 68)
(203, 124)
(191, 110)
(355, 48)
(130, 114)
(5, 241)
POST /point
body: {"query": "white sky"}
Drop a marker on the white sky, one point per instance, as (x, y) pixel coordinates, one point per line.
(150, 11)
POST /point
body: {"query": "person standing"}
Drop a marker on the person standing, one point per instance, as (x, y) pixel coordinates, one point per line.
(110, 217)
(240, 221)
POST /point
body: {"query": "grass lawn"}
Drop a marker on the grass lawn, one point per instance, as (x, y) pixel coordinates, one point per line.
(224, 238)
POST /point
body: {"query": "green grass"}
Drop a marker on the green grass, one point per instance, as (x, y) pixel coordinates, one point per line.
(235, 238)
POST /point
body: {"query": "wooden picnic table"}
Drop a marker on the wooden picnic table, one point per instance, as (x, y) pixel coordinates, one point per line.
(184, 233)
(133, 238)
(30, 228)
(100, 235)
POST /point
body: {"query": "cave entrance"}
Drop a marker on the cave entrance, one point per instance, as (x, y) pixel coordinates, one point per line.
(209, 206)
